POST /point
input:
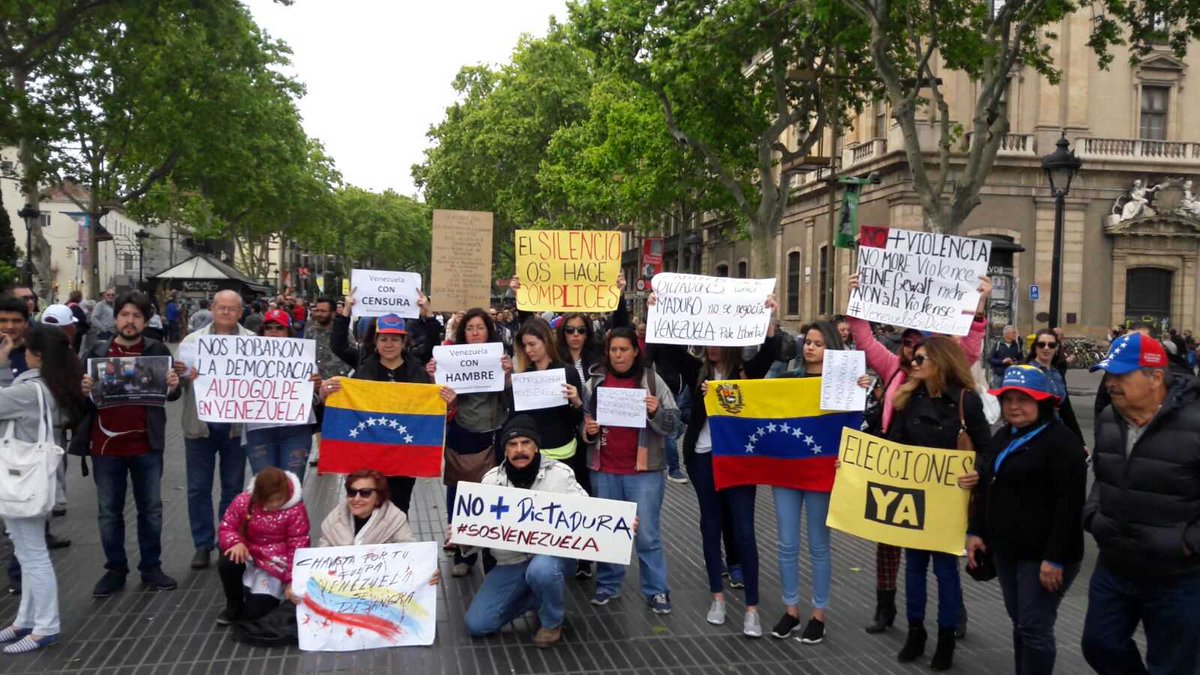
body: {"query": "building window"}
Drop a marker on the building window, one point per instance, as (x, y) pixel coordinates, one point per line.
(793, 283)
(722, 270)
(826, 304)
(880, 119)
(743, 269)
(1154, 113)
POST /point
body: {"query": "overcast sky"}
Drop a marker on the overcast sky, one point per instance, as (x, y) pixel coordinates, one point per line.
(378, 72)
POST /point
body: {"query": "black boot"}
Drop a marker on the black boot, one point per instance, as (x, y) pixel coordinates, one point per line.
(943, 657)
(914, 645)
(960, 630)
(885, 611)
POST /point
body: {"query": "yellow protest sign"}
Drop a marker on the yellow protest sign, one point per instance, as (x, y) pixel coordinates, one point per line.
(901, 495)
(568, 271)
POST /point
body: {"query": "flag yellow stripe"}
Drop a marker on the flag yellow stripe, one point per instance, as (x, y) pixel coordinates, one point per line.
(765, 399)
(388, 397)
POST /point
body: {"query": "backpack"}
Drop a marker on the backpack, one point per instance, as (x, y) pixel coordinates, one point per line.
(276, 628)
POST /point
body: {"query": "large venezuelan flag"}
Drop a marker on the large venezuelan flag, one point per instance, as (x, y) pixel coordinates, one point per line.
(773, 432)
(397, 429)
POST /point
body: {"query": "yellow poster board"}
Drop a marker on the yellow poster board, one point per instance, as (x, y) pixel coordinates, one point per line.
(901, 495)
(568, 271)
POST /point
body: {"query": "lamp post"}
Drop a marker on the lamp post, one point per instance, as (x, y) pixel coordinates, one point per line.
(142, 236)
(30, 214)
(1060, 167)
(692, 241)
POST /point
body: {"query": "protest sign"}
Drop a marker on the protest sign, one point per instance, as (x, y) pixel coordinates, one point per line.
(919, 280)
(378, 292)
(568, 271)
(549, 523)
(690, 309)
(470, 368)
(461, 271)
(901, 495)
(539, 389)
(365, 597)
(616, 407)
(129, 380)
(186, 353)
(254, 379)
(839, 380)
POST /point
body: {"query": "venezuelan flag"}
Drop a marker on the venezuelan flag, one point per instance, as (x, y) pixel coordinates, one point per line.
(773, 432)
(397, 429)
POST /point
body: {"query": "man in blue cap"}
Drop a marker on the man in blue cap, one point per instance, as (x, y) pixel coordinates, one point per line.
(1144, 512)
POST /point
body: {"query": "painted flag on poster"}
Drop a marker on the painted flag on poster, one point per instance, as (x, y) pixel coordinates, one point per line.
(397, 429)
(773, 432)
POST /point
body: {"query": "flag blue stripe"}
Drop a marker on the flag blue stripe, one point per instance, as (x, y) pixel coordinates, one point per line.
(798, 438)
(341, 424)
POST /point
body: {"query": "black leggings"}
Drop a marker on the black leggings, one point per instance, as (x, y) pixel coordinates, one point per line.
(401, 489)
(246, 606)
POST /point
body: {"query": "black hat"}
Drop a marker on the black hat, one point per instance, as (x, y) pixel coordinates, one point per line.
(521, 425)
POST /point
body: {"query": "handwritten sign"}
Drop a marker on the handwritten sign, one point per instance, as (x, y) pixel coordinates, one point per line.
(549, 523)
(617, 407)
(690, 309)
(377, 293)
(470, 368)
(365, 597)
(186, 353)
(839, 380)
(129, 380)
(568, 271)
(539, 389)
(919, 280)
(254, 379)
(460, 276)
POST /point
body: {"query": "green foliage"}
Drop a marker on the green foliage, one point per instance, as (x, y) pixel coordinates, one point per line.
(8, 243)
(380, 230)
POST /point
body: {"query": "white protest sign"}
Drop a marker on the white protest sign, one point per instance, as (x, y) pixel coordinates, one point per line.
(617, 407)
(254, 379)
(839, 380)
(186, 353)
(548, 523)
(690, 309)
(539, 389)
(377, 292)
(919, 280)
(470, 368)
(365, 597)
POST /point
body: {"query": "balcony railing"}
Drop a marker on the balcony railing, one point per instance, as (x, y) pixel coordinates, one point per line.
(863, 152)
(1012, 145)
(1137, 149)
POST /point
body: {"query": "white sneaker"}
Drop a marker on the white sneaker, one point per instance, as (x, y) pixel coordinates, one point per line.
(716, 613)
(751, 626)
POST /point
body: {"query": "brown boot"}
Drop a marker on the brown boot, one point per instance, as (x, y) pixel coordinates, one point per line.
(546, 637)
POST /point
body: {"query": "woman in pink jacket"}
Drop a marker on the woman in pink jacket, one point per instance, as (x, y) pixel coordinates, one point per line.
(259, 535)
(893, 371)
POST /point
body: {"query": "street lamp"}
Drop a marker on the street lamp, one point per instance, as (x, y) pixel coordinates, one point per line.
(692, 242)
(1060, 167)
(30, 214)
(142, 236)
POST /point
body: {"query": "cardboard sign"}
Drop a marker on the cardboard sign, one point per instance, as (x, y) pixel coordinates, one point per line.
(839, 380)
(690, 309)
(377, 292)
(901, 495)
(460, 277)
(617, 407)
(547, 523)
(129, 380)
(365, 597)
(919, 280)
(568, 271)
(254, 379)
(470, 368)
(539, 389)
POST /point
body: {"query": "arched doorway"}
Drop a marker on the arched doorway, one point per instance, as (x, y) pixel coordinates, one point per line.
(1148, 294)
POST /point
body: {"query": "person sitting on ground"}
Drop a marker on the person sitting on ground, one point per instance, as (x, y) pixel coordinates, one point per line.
(367, 516)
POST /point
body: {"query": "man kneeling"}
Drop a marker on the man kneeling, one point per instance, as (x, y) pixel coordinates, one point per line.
(521, 582)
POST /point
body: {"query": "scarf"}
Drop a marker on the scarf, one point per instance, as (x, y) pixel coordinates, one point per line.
(523, 478)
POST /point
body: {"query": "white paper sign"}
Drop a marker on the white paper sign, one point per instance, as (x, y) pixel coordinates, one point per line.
(377, 292)
(186, 353)
(919, 280)
(839, 380)
(548, 523)
(539, 389)
(470, 368)
(690, 309)
(262, 380)
(365, 597)
(618, 407)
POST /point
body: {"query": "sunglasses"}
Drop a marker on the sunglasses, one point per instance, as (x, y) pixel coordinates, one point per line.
(1047, 345)
(918, 360)
(365, 493)
(572, 330)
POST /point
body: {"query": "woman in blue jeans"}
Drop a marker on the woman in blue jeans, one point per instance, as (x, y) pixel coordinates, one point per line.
(284, 447)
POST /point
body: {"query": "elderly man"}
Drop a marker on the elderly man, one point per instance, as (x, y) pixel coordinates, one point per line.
(1144, 512)
(104, 319)
(1005, 354)
(209, 441)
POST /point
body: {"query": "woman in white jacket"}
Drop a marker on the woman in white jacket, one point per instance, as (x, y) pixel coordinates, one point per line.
(367, 516)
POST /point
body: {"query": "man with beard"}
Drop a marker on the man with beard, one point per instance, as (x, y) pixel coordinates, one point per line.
(320, 329)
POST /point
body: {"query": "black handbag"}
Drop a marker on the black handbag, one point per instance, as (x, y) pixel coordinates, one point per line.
(985, 567)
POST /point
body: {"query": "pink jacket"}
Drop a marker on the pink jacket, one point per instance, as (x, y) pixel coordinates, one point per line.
(886, 364)
(272, 537)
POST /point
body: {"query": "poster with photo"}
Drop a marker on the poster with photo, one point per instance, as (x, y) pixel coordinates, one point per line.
(129, 380)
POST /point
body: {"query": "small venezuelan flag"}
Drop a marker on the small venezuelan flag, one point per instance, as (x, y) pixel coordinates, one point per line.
(397, 429)
(773, 432)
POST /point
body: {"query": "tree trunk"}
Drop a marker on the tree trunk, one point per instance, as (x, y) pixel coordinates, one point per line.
(38, 249)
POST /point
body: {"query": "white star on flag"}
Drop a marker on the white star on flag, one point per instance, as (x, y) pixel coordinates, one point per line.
(785, 428)
(816, 449)
(371, 422)
(797, 433)
(401, 429)
(353, 433)
(808, 440)
(408, 439)
(761, 431)
(771, 427)
(749, 448)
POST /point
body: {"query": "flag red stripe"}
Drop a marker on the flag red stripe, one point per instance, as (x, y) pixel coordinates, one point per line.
(812, 474)
(419, 461)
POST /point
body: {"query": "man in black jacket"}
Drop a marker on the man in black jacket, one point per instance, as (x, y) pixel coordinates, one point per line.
(1006, 353)
(1144, 512)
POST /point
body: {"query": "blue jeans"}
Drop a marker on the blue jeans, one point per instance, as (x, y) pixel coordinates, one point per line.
(202, 454)
(740, 503)
(145, 471)
(508, 591)
(284, 448)
(788, 505)
(646, 490)
(1033, 611)
(945, 568)
(683, 401)
(1167, 608)
(38, 610)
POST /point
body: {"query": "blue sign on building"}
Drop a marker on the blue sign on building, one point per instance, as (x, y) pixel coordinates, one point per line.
(1035, 293)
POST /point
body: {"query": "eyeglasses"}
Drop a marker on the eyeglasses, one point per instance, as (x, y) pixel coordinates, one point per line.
(365, 493)
(572, 330)
(918, 360)
(1047, 345)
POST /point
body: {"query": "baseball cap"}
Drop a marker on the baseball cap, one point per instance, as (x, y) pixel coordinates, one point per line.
(1132, 352)
(390, 324)
(1028, 380)
(277, 316)
(58, 315)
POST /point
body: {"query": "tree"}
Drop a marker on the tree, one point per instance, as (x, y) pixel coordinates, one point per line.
(381, 230)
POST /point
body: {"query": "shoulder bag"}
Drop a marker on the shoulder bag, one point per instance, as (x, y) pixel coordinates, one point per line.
(27, 470)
